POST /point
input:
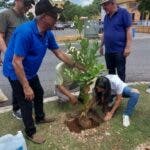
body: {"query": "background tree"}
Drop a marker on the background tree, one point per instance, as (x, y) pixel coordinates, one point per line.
(144, 5)
(2, 3)
(94, 8)
(79, 24)
(144, 8)
(30, 15)
(5, 3)
(71, 10)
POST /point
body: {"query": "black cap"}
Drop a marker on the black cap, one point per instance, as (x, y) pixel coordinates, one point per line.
(45, 6)
(29, 2)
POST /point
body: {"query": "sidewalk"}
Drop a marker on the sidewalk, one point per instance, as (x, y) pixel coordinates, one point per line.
(142, 36)
(67, 38)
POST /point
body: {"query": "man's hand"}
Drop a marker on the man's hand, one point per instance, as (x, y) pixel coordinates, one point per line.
(108, 116)
(127, 52)
(73, 100)
(101, 51)
(28, 92)
(127, 49)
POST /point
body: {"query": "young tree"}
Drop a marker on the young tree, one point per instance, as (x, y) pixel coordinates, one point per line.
(87, 56)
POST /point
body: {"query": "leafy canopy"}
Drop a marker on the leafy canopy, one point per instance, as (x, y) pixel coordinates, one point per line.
(86, 55)
(71, 10)
(144, 5)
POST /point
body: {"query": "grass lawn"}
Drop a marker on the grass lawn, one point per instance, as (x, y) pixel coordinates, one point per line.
(108, 136)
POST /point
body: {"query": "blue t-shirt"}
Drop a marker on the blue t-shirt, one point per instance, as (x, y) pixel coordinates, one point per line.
(115, 30)
(27, 42)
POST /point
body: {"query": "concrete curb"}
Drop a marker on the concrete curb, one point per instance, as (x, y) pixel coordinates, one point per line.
(70, 38)
(48, 99)
(55, 98)
(65, 39)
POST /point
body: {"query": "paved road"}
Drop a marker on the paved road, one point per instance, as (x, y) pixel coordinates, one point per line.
(138, 63)
(138, 67)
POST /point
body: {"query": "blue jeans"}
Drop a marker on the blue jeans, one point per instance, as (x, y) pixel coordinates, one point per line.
(133, 99)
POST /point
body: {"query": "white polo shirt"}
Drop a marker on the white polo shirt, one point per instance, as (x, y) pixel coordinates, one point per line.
(117, 85)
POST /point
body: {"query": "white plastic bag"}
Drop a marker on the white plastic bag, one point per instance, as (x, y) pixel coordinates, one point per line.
(13, 142)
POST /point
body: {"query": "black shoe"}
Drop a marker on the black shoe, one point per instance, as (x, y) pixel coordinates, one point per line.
(46, 120)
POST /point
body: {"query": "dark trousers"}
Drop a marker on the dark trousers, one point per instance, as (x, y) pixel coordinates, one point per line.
(116, 61)
(26, 106)
(15, 104)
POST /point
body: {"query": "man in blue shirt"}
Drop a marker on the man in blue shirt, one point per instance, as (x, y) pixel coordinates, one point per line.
(116, 38)
(10, 18)
(23, 57)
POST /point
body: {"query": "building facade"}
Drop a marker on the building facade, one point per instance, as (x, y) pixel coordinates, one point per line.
(59, 3)
(132, 7)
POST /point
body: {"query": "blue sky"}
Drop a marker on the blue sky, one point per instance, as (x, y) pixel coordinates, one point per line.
(82, 2)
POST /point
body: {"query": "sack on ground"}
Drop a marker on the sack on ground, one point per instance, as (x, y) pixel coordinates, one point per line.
(13, 142)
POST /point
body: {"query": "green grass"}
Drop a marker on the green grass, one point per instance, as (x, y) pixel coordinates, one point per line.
(108, 136)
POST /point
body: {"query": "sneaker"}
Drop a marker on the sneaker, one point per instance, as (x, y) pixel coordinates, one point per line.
(126, 120)
(17, 114)
(148, 90)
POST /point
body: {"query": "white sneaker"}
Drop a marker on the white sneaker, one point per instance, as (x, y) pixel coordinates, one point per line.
(148, 90)
(126, 120)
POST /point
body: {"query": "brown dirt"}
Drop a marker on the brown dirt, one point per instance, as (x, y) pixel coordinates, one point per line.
(144, 146)
(77, 123)
(73, 125)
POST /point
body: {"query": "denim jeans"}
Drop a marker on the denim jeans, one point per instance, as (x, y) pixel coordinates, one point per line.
(116, 61)
(133, 99)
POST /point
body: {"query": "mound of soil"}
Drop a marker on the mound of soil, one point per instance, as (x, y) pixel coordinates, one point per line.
(144, 146)
(77, 123)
